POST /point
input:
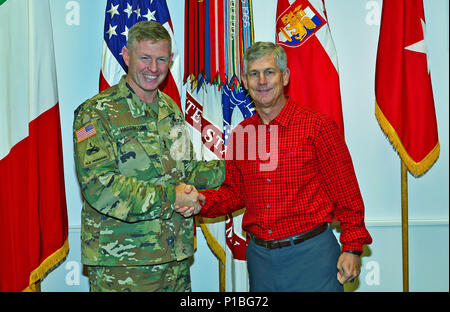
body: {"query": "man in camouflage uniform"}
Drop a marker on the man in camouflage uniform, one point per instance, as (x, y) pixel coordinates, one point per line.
(134, 159)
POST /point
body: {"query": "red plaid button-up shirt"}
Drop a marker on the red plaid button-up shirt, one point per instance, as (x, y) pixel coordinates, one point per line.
(291, 175)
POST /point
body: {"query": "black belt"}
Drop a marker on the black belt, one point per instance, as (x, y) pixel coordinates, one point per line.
(284, 242)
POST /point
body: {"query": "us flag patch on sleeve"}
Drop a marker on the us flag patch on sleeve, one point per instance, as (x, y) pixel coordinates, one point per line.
(85, 132)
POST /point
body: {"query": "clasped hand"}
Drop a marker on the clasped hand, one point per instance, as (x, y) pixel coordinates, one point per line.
(187, 200)
(348, 267)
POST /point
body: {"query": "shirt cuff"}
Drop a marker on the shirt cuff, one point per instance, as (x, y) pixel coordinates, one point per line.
(352, 246)
(203, 211)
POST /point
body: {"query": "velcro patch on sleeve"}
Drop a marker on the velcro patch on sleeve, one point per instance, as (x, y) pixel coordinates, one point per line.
(85, 132)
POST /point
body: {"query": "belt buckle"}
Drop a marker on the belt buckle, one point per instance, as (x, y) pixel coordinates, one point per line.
(267, 244)
(280, 243)
(274, 244)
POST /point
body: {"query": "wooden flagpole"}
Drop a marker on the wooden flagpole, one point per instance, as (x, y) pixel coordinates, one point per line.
(221, 276)
(404, 185)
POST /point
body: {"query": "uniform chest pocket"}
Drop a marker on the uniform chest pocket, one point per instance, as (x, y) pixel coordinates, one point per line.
(175, 145)
(139, 157)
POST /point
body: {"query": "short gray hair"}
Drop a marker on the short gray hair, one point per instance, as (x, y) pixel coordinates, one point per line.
(147, 30)
(260, 49)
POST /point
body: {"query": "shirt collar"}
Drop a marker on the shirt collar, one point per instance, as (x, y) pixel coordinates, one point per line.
(284, 116)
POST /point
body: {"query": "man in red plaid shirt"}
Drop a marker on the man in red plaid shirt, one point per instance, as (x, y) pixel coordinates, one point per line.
(290, 167)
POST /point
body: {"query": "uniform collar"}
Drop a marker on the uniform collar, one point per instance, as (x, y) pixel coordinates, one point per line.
(137, 106)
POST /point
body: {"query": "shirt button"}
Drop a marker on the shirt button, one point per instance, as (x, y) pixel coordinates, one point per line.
(268, 206)
(269, 231)
(268, 180)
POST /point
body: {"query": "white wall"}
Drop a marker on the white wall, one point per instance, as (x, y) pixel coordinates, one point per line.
(355, 26)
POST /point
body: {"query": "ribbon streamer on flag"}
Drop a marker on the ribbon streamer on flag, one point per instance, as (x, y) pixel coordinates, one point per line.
(217, 33)
(211, 113)
(120, 16)
(216, 41)
(33, 214)
(404, 104)
(302, 30)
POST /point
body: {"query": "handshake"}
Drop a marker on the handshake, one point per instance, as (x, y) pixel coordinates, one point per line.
(188, 200)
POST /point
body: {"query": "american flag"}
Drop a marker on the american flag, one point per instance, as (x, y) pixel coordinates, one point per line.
(120, 16)
(85, 132)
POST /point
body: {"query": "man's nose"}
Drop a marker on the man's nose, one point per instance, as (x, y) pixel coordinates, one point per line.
(262, 78)
(152, 65)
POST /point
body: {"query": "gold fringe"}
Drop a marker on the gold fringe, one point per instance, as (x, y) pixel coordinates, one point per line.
(416, 168)
(218, 251)
(195, 242)
(45, 266)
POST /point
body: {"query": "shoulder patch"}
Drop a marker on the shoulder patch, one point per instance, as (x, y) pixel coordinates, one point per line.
(94, 153)
(85, 132)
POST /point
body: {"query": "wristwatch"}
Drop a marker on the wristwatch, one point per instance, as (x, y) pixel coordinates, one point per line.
(355, 252)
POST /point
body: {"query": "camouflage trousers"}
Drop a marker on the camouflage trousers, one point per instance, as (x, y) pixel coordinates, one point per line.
(167, 277)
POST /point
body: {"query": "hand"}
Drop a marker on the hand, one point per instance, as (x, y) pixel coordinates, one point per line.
(200, 197)
(348, 267)
(187, 200)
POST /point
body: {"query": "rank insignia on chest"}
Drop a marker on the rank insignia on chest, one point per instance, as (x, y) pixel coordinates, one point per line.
(85, 132)
(297, 23)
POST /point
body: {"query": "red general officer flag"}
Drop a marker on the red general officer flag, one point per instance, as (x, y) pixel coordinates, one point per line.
(404, 98)
(302, 30)
(33, 215)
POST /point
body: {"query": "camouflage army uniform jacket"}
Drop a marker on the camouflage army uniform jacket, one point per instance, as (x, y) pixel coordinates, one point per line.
(127, 158)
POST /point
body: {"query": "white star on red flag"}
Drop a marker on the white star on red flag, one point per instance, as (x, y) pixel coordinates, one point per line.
(420, 46)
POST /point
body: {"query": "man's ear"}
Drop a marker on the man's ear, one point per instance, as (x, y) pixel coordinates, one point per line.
(125, 55)
(171, 59)
(244, 80)
(286, 76)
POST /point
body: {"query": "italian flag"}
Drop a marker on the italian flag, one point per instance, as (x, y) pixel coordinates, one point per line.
(33, 214)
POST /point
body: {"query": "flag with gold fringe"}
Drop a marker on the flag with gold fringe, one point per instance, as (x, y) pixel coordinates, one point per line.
(33, 214)
(404, 104)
